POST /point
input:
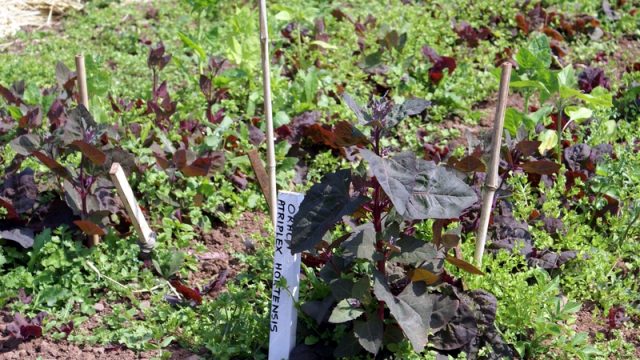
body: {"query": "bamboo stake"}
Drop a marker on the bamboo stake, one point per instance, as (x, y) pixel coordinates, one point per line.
(266, 78)
(82, 81)
(84, 100)
(491, 182)
(261, 175)
(146, 237)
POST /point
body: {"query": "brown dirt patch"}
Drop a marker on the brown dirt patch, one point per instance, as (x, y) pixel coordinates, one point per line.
(586, 322)
(222, 243)
(485, 126)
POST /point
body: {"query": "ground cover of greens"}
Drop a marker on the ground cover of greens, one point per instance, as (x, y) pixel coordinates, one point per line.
(175, 93)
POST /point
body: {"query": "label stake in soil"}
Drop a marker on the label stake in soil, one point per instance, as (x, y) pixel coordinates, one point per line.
(146, 237)
(491, 183)
(286, 268)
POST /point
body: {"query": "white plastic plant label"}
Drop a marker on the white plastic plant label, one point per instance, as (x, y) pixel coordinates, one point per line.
(286, 268)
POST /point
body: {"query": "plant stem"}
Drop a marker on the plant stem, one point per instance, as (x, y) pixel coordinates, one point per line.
(377, 209)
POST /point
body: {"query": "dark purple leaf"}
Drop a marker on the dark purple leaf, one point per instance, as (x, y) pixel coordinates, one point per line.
(549, 260)
(575, 156)
(22, 296)
(10, 96)
(420, 189)
(55, 112)
(541, 167)
(438, 64)
(32, 119)
(23, 236)
(91, 152)
(294, 131)
(21, 190)
(323, 205)
(217, 284)
(256, 136)
(590, 78)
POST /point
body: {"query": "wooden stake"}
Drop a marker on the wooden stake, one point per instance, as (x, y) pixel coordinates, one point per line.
(261, 175)
(82, 81)
(146, 237)
(491, 182)
(84, 100)
(266, 79)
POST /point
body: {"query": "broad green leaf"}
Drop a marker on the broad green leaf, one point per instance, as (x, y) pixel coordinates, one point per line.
(548, 140)
(598, 97)
(578, 113)
(567, 77)
(283, 16)
(537, 54)
(419, 189)
(539, 47)
(345, 311)
(528, 84)
(323, 205)
(610, 126)
(369, 333)
(410, 320)
(536, 117)
(513, 119)
(191, 44)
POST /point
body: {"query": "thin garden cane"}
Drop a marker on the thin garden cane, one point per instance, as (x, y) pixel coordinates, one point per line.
(491, 183)
(84, 100)
(266, 78)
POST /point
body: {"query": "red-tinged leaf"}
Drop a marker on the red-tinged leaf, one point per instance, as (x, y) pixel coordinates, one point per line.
(523, 24)
(12, 214)
(469, 164)
(558, 49)
(347, 135)
(9, 96)
(93, 153)
(553, 33)
(191, 171)
(55, 111)
(528, 147)
(32, 119)
(180, 158)
(161, 161)
(52, 164)
(30, 331)
(463, 265)
(534, 214)
(89, 227)
(187, 292)
(541, 167)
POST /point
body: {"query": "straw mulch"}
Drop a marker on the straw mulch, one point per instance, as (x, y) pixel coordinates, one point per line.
(16, 14)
